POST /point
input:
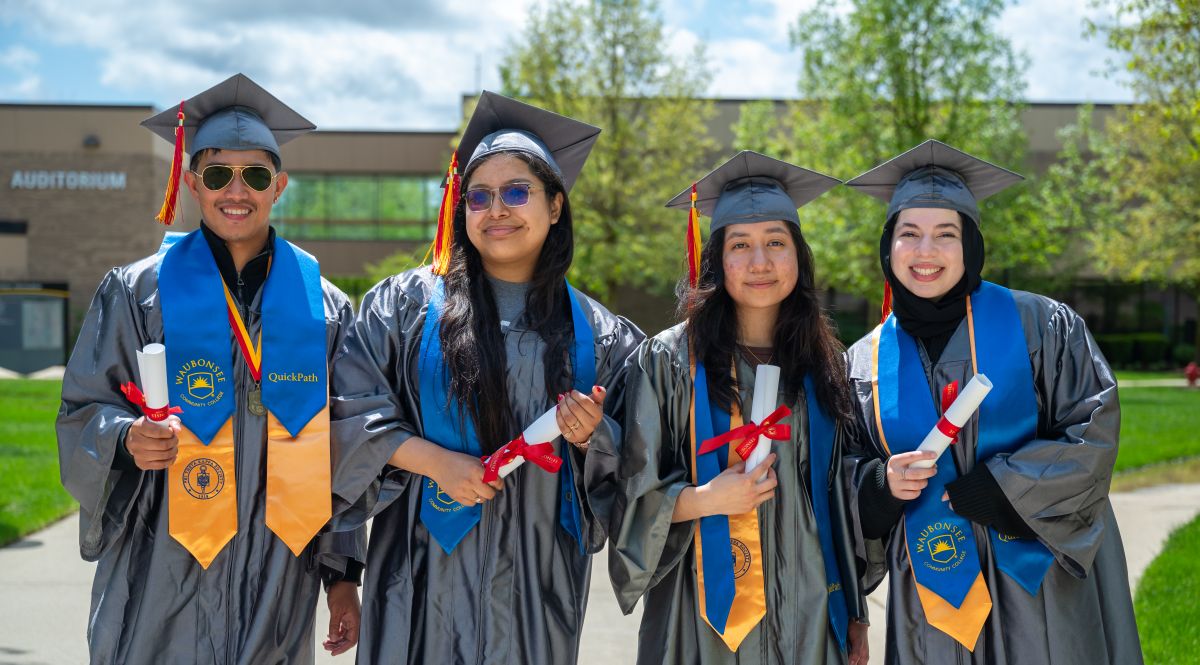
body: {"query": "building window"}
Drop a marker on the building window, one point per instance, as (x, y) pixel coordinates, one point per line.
(322, 206)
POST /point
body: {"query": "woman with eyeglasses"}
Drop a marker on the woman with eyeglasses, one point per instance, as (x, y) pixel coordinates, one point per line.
(740, 565)
(1004, 549)
(446, 366)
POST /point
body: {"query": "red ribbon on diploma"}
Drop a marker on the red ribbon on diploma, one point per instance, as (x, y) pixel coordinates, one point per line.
(541, 454)
(135, 395)
(750, 432)
(949, 394)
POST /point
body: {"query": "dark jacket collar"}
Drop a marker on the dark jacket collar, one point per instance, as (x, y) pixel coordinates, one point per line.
(253, 274)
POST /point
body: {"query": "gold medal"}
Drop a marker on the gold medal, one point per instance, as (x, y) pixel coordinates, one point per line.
(254, 403)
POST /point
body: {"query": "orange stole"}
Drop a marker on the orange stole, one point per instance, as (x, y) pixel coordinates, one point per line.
(750, 597)
(202, 490)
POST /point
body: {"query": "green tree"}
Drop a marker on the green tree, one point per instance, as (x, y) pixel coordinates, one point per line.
(604, 62)
(877, 80)
(1132, 188)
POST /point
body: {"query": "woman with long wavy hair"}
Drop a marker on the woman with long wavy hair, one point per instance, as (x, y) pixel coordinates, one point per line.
(740, 565)
(448, 365)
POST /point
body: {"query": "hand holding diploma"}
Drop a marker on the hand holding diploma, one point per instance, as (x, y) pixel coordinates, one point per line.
(764, 422)
(152, 440)
(574, 418)
(954, 416)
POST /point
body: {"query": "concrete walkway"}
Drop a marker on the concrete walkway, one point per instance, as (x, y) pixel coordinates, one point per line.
(47, 588)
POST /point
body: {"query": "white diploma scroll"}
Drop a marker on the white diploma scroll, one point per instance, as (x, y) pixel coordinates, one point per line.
(152, 374)
(766, 394)
(964, 406)
(543, 430)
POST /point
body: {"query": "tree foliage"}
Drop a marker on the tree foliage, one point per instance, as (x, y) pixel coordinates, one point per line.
(1132, 188)
(605, 62)
(878, 78)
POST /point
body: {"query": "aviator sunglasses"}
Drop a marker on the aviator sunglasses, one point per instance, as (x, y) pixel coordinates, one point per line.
(218, 176)
(513, 195)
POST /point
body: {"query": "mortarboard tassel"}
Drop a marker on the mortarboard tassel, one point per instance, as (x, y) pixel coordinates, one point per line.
(693, 242)
(166, 214)
(887, 301)
(443, 239)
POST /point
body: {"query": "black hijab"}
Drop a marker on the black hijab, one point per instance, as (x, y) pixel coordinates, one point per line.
(934, 321)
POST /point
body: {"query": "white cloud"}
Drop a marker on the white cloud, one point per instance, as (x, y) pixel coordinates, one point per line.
(407, 63)
(751, 68)
(1065, 66)
(19, 63)
(366, 65)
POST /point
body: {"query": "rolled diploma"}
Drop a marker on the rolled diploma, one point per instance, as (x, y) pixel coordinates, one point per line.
(152, 372)
(766, 393)
(543, 430)
(958, 414)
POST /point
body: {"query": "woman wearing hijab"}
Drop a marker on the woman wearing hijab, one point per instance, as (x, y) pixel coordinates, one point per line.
(737, 565)
(445, 366)
(1005, 550)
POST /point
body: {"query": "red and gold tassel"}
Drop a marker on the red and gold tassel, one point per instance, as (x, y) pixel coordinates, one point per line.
(693, 242)
(443, 239)
(166, 214)
(887, 302)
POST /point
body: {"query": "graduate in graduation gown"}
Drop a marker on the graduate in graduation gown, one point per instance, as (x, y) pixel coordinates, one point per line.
(445, 365)
(205, 532)
(1006, 551)
(730, 570)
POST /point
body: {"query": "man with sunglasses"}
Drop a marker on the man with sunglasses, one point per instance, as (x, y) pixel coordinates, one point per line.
(210, 531)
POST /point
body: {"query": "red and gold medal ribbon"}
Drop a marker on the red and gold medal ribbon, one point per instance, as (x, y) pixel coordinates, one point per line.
(250, 351)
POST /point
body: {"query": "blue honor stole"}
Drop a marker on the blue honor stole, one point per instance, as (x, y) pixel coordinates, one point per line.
(719, 589)
(941, 545)
(446, 519)
(196, 330)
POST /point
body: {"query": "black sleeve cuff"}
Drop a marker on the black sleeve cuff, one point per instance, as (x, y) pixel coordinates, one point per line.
(978, 497)
(123, 461)
(331, 576)
(878, 510)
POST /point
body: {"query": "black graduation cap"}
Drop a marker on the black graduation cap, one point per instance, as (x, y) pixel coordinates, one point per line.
(935, 175)
(752, 187)
(235, 114)
(503, 124)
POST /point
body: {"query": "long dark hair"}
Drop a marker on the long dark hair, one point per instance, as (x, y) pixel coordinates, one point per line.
(804, 339)
(472, 343)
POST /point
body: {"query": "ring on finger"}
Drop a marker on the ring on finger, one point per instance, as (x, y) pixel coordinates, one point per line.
(904, 473)
(478, 499)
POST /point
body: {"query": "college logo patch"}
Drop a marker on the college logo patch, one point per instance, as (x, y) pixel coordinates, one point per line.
(202, 382)
(741, 557)
(938, 542)
(203, 478)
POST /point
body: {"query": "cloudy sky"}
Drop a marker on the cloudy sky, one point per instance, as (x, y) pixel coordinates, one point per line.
(404, 64)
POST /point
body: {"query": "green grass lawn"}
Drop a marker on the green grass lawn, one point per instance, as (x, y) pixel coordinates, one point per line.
(1168, 612)
(1157, 425)
(1133, 375)
(32, 495)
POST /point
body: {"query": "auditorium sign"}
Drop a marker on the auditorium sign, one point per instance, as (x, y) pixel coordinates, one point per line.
(90, 180)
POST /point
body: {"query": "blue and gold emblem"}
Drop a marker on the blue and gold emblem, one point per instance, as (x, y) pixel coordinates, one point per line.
(202, 382)
(203, 478)
(939, 543)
